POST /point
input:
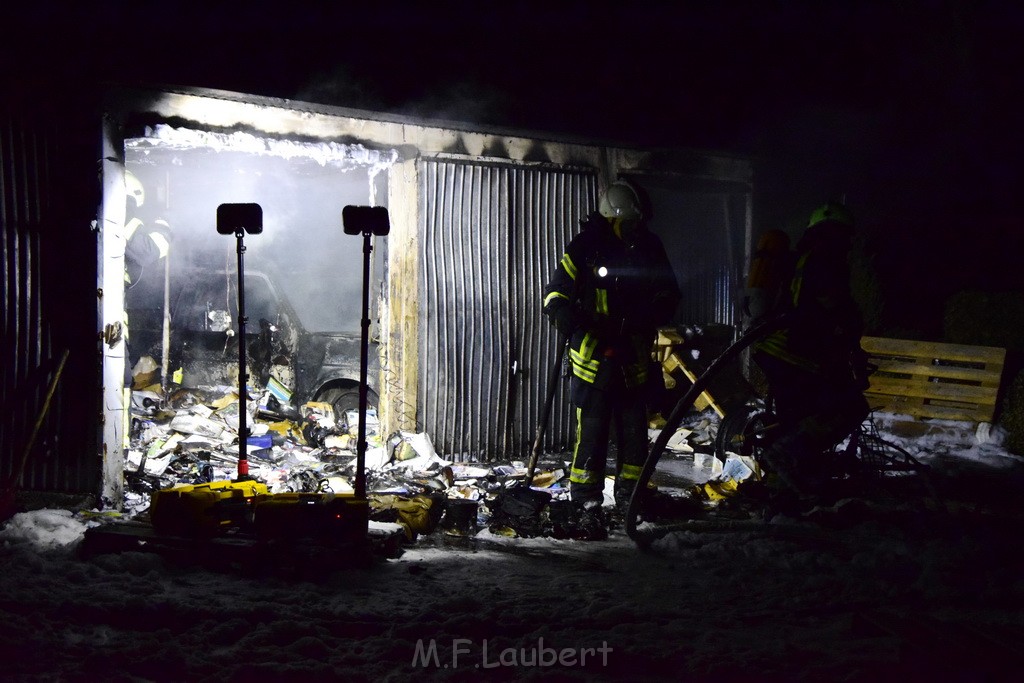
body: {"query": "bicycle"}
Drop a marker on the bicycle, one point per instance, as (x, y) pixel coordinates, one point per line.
(862, 455)
(863, 466)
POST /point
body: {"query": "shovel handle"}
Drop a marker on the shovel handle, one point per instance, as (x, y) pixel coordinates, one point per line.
(42, 415)
(542, 426)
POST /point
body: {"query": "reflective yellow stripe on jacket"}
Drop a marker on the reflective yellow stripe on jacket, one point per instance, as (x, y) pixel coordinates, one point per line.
(568, 265)
(554, 295)
(777, 343)
(570, 269)
(584, 365)
(601, 301)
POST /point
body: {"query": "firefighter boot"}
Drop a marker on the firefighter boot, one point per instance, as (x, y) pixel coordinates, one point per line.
(623, 494)
(591, 525)
(795, 491)
(786, 469)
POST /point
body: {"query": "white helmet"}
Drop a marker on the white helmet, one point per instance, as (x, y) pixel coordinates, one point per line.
(134, 189)
(620, 200)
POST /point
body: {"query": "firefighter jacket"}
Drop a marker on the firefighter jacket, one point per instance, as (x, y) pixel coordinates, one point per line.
(616, 295)
(824, 324)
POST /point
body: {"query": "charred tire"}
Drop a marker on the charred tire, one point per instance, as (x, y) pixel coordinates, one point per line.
(744, 430)
(344, 399)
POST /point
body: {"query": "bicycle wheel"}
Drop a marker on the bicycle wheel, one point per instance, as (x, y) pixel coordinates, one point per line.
(882, 457)
(744, 431)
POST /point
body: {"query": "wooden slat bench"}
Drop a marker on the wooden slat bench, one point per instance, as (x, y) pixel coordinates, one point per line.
(667, 354)
(934, 380)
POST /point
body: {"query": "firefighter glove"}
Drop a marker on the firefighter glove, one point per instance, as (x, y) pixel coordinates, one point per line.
(564, 319)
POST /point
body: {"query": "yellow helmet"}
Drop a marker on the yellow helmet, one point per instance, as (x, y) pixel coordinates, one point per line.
(831, 211)
(134, 188)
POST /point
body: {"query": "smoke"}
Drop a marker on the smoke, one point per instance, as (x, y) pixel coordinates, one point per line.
(465, 101)
(337, 87)
(426, 98)
(302, 189)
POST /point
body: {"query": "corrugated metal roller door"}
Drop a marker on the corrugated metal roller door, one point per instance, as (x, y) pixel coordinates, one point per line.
(550, 206)
(490, 236)
(39, 325)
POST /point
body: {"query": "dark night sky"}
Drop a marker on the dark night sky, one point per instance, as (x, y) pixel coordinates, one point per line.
(908, 108)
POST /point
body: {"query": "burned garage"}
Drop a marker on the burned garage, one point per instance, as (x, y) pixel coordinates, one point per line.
(458, 350)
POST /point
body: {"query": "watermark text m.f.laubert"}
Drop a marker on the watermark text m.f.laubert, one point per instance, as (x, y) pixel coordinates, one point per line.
(464, 652)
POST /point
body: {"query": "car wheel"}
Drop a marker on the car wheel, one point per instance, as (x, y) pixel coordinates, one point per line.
(345, 399)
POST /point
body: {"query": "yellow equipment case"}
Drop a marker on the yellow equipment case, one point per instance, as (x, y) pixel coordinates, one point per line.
(239, 525)
(323, 517)
(205, 510)
(247, 508)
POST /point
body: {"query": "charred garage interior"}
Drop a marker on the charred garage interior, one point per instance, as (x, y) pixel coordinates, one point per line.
(459, 346)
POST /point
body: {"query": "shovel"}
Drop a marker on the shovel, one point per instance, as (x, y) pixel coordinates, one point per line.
(519, 506)
(545, 415)
(9, 490)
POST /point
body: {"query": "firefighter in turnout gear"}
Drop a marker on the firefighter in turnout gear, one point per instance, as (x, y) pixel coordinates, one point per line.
(147, 247)
(147, 241)
(608, 294)
(814, 364)
(767, 289)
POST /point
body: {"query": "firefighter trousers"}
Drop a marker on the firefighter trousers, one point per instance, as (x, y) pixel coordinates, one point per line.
(616, 409)
(815, 411)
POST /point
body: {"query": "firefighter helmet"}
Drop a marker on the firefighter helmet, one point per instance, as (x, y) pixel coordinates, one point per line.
(134, 189)
(831, 212)
(621, 200)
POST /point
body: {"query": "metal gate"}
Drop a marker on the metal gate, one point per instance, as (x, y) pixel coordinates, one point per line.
(45, 245)
(490, 236)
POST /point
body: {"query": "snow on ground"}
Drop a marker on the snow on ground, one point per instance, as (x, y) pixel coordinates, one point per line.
(897, 594)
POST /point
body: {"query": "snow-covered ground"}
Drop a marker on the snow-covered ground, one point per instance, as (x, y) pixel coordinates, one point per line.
(912, 593)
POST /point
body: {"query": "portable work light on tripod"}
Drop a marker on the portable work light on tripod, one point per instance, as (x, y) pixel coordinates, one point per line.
(238, 219)
(366, 221)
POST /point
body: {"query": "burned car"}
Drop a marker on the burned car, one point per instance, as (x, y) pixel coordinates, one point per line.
(286, 358)
(301, 274)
